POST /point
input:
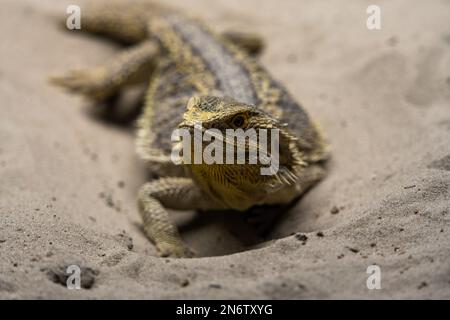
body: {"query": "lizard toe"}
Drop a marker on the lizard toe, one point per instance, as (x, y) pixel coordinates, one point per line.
(174, 250)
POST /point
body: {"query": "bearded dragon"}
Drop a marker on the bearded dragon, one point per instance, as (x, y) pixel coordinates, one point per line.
(195, 74)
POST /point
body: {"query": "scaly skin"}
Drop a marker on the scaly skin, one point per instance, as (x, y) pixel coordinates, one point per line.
(197, 75)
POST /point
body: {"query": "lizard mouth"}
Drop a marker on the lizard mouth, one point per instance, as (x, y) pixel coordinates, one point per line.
(246, 154)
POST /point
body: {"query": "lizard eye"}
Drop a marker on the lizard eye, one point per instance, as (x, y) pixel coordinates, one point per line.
(238, 121)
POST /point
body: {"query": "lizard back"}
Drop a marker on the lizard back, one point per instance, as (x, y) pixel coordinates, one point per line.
(197, 61)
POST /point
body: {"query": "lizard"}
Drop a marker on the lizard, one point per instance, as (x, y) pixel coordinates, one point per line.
(195, 73)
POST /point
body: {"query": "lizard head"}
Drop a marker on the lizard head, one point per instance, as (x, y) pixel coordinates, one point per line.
(243, 154)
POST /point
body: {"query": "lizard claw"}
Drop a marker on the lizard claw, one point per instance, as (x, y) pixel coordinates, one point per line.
(174, 250)
(86, 82)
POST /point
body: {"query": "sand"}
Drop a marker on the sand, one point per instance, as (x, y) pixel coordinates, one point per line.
(68, 180)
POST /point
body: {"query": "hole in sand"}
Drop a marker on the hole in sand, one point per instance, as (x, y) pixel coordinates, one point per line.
(217, 233)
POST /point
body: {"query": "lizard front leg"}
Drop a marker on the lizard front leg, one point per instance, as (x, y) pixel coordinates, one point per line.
(134, 65)
(176, 193)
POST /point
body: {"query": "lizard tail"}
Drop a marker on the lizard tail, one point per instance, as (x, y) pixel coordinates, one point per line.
(125, 22)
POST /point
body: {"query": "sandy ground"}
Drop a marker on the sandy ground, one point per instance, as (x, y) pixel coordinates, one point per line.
(68, 181)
